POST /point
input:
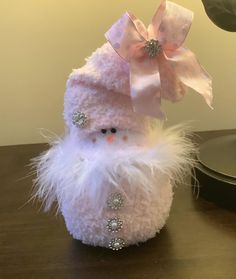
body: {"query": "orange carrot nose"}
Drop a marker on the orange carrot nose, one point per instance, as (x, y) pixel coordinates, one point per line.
(110, 138)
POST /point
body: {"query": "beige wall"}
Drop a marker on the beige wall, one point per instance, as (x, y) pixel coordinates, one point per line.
(41, 41)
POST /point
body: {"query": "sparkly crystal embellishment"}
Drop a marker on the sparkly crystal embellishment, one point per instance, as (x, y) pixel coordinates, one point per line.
(116, 243)
(79, 119)
(114, 224)
(152, 48)
(115, 201)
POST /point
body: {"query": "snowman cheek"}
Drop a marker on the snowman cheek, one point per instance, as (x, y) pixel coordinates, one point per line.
(125, 138)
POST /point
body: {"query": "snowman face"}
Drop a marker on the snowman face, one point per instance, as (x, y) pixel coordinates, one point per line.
(115, 137)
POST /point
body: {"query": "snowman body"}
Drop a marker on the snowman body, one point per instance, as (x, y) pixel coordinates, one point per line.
(126, 218)
(113, 194)
(113, 211)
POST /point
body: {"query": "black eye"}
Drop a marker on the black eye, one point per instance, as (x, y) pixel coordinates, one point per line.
(113, 130)
(103, 131)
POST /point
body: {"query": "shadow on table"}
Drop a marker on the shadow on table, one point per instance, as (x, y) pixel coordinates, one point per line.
(137, 261)
(222, 219)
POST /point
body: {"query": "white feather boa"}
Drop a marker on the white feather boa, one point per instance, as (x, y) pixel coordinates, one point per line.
(73, 168)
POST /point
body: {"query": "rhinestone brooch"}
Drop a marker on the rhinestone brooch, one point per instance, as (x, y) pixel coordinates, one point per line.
(115, 201)
(152, 48)
(114, 224)
(79, 119)
(116, 243)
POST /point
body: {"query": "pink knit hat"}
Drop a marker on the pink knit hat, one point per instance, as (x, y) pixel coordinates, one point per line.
(110, 91)
(98, 95)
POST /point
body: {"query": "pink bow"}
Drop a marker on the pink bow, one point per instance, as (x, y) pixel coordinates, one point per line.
(160, 67)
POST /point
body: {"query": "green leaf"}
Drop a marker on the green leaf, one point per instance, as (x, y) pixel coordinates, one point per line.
(222, 13)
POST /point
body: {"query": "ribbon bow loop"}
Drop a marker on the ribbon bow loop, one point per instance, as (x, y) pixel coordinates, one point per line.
(160, 67)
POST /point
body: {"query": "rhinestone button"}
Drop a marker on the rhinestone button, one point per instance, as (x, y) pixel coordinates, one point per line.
(115, 201)
(116, 243)
(79, 119)
(152, 48)
(114, 224)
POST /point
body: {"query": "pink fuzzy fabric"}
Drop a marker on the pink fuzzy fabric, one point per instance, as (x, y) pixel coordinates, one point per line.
(102, 94)
(105, 109)
(103, 68)
(143, 215)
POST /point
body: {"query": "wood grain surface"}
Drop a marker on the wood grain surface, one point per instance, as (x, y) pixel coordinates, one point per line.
(198, 241)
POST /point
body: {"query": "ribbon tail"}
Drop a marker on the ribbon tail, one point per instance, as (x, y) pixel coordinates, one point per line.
(172, 88)
(190, 72)
(146, 90)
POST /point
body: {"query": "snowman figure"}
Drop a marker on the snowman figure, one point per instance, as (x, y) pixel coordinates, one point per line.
(113, 173)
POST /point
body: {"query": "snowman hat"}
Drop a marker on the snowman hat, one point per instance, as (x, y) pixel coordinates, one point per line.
(98, 95)
(101, 94)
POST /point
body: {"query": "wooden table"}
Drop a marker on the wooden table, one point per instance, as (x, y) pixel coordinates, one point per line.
(199, 240)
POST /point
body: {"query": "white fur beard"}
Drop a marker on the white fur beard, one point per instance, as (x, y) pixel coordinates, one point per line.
(81, 176)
